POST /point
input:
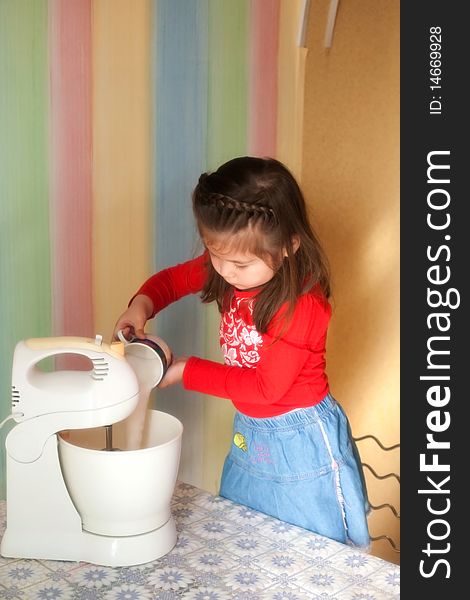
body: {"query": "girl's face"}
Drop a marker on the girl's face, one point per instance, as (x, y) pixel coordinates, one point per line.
(241, 269)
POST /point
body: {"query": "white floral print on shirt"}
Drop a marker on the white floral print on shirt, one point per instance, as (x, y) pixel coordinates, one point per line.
(239, 339)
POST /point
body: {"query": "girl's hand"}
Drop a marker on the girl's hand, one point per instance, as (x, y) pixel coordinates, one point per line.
(132, 321)
(174, 373)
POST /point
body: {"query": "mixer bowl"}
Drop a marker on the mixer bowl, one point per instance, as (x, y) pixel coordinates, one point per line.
(122, 493)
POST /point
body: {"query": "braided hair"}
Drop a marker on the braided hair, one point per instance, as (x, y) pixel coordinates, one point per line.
(255, 205)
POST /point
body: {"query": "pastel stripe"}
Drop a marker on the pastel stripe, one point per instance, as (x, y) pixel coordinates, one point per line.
(291, 68)
(263, 77)
(228, 81)
(121, 154)
(180, 105)
(71, 199)
(25, 295)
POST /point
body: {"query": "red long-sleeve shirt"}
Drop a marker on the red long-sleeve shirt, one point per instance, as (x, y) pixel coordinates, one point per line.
(264, 375)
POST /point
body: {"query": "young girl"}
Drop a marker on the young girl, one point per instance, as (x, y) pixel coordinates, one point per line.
(292, 454)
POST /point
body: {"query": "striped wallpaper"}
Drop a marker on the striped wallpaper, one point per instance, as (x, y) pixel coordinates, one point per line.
(109, 111)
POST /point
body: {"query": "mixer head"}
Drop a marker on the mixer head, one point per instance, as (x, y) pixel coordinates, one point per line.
(48, 402)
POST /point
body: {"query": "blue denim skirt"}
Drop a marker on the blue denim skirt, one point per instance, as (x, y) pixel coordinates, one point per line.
(302, 467)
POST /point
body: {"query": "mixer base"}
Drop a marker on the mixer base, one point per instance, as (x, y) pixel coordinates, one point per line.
(96, 549)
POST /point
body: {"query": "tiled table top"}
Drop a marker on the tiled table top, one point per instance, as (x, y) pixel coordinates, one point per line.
(224, 551)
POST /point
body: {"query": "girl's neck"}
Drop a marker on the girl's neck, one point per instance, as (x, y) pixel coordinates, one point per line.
(253, 289)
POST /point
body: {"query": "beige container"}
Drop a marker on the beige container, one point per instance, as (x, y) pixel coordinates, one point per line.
(122, 493)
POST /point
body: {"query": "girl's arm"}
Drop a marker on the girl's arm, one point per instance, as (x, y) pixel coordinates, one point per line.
(173, 283)
(159, 291)
(133, 319)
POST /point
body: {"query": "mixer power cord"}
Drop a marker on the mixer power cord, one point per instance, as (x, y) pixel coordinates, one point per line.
(12, 416)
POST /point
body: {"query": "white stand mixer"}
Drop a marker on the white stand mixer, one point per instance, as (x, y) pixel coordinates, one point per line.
(42, 520)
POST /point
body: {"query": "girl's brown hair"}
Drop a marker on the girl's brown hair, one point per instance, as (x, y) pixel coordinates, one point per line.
(255, 204)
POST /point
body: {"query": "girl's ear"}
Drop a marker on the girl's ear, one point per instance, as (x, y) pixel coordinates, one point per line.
(295, 244)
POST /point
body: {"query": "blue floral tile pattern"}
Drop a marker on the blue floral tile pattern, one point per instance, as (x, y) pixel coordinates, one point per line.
(224, 551)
